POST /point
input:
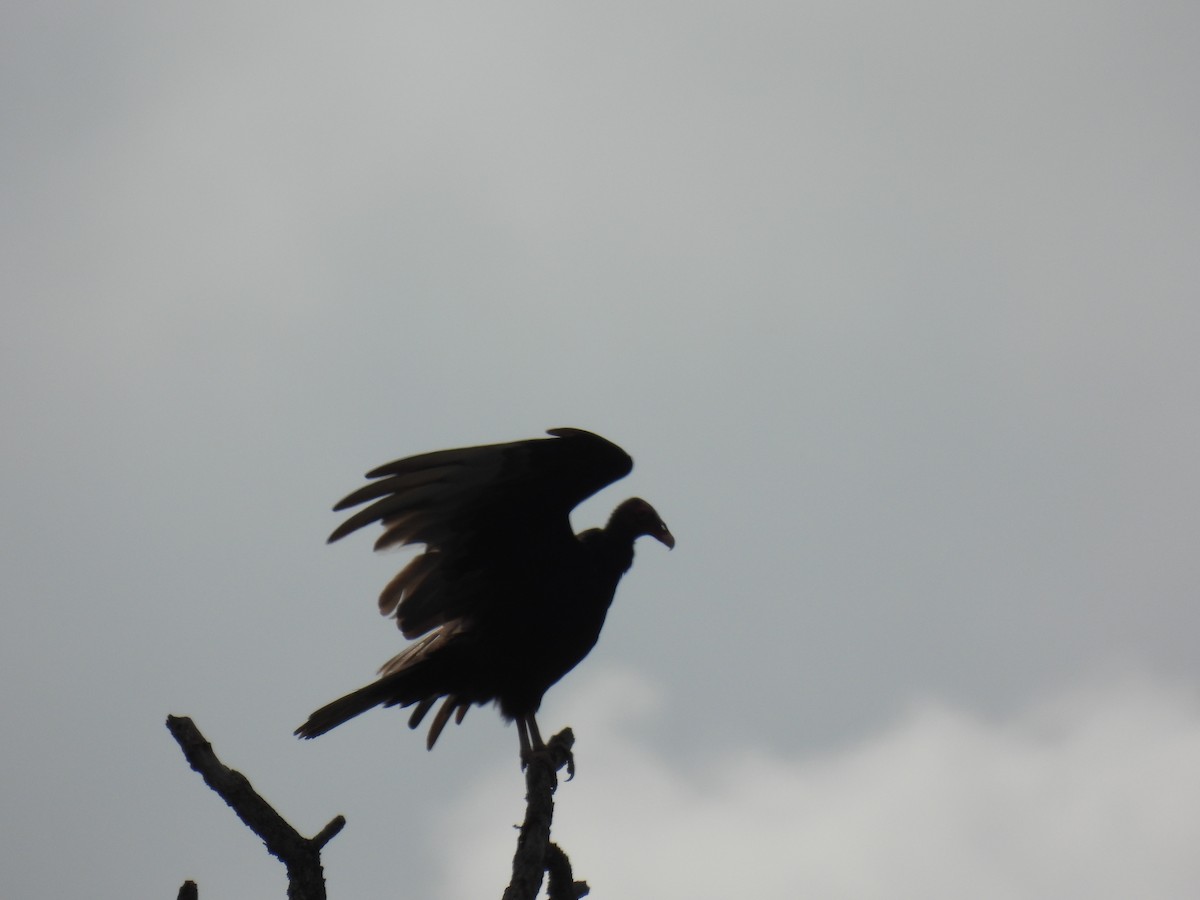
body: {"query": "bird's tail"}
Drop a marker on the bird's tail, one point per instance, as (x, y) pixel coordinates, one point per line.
(416, 675)
(331, 715)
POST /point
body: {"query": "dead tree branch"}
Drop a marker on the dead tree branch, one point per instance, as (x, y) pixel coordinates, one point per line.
(300, 855)
(535, 854)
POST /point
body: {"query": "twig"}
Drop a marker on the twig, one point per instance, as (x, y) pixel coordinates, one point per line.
(301, 855)
(562, 884)
(535, 854)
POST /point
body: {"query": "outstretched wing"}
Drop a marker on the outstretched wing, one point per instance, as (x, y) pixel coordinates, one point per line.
(483, 513)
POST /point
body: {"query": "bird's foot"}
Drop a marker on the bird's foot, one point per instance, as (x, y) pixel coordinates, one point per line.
(554, 754)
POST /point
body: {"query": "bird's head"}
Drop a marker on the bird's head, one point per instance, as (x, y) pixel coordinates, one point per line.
(636, 517)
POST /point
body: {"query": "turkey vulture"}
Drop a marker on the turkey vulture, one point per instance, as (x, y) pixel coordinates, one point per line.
(505, 599)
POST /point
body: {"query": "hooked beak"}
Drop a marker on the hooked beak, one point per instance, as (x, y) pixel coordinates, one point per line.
(665, 537)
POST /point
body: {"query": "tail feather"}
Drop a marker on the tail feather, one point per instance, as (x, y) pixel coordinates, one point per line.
(418, 674)
(453, 706)
(331, 715)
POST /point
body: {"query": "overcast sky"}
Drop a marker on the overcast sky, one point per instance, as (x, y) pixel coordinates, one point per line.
(895, 307)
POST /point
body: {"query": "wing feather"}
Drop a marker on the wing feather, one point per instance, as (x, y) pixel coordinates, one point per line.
(482, 513)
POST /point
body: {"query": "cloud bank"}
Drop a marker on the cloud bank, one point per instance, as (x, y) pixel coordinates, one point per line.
(1094, 793)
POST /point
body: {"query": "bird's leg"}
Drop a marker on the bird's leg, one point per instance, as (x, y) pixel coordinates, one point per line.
(538, 743)
(523, 737)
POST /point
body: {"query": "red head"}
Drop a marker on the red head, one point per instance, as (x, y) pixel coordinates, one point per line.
(636, 517)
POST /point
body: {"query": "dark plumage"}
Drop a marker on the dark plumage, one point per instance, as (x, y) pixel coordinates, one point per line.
(506, 598)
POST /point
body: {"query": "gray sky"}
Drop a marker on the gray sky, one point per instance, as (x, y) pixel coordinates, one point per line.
(895, 308)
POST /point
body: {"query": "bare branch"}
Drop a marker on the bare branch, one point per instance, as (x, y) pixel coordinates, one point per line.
(329, 832)
(534, 853)
(301, 855)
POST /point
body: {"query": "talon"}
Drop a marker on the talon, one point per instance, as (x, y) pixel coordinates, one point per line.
(555, 753)
(560, 746)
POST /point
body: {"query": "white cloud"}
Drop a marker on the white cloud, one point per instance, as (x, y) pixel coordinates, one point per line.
(1091, 794)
